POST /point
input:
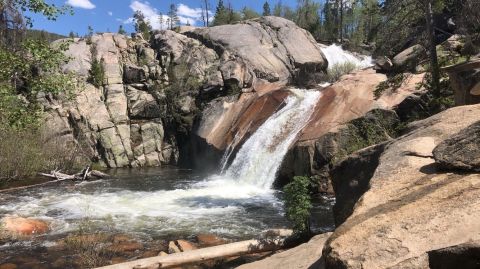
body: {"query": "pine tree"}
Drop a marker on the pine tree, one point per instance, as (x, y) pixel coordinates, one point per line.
(221, 14)
(141, 25)
(161, 20)
(121, 30)
(266, 9)
(173, 16)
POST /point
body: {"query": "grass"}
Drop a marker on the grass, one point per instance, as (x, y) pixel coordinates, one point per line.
(91, 244)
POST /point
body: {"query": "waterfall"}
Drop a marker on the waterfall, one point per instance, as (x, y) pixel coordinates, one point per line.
(260, 157)
(336, 55)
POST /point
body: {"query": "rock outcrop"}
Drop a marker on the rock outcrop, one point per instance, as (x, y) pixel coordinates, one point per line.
(465, 81)
(461, 151)
(148, 110)
(304, 256)
(409, 208)
(348, 117)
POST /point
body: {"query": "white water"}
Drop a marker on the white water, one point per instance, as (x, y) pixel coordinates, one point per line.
(218, 204)
(260, 157)
(336, 55)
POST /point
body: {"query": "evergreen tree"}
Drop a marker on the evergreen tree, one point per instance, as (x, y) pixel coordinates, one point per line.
(161, 20)
(142, 26)
(221, 14)
(121, 30)
(266, 9)
(173, 16)
(248, 13)
(71, 34)
(89, 31)
(277, 9)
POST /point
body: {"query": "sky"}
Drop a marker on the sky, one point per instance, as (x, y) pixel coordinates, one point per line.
(108, 15)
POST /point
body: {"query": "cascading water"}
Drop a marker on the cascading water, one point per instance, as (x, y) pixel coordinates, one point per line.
(239, 202)
(260, 157)
(336, 55)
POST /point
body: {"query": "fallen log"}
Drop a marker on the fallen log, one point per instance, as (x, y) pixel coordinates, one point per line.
(86, 174)
(204, 254)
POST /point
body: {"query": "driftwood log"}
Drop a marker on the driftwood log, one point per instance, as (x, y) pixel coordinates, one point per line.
(86, 174)
(204, 254)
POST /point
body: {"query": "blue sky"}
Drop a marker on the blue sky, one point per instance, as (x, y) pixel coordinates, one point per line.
(107, 15)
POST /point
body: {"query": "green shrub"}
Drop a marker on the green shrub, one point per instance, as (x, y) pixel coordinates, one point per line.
(97, 69)
(338, 70)
(298, 204)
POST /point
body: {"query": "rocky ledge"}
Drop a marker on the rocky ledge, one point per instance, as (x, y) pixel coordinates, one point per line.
(147, 110)
(410, 208)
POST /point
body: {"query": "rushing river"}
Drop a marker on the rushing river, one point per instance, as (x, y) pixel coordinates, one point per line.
(170, 203)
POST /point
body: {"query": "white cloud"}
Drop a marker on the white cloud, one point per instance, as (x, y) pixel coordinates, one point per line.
(110, 13)
(86, 4)
(185, 13)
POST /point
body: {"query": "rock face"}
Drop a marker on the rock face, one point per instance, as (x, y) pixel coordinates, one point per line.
(155, 103)
(465, 81)
(461, 151)
(265, 49)
(348, 117)
(410, 207)
(304, 256)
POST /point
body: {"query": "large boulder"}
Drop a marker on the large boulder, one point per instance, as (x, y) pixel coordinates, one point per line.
(265, 49)
(409, 59)
(304, 256)
(461, 151)
(410, 207)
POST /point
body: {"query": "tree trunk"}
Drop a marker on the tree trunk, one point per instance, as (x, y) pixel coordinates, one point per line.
(341, 21)
(435, 69)
(202, 255)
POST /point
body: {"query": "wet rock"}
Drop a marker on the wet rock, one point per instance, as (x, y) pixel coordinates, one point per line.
(185, 245)
(116, 260)
(461, 151)
(8, 266)
(24, 226)
(209, 240)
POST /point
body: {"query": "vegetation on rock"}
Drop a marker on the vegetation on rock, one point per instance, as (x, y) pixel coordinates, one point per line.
(298, 204)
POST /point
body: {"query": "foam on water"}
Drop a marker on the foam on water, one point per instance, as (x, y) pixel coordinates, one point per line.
(336, 55)
(216, 204)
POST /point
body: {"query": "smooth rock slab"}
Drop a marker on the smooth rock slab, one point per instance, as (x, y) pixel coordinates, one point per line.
(304, 256)
(410, 208)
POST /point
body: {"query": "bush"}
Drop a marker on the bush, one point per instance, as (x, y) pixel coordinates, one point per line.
(338, 70)
(96, 74)
(24, 152)
(298, 204)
